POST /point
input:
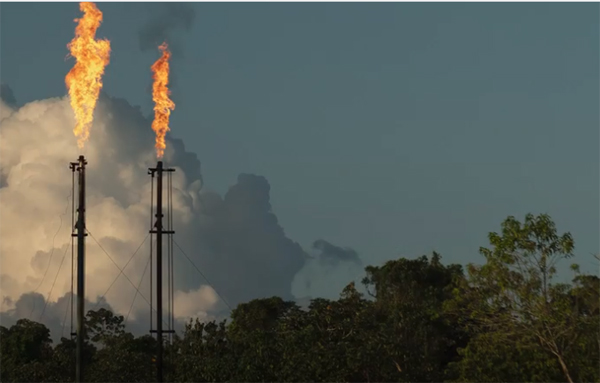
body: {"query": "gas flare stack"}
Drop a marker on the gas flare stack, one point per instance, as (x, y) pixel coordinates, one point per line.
(79, 167)
(159, 230)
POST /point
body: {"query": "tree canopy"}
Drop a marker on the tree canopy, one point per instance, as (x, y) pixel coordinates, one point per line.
(505, 320)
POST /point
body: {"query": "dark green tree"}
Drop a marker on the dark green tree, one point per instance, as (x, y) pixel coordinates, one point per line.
(511, 303)
(419, 338)
(203, 354)
(506, 320)
(26, 349)
(253, 336)
(120, 356)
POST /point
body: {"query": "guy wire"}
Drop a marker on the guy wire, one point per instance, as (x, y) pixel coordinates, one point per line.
(172, 264)
(72, 246)
(170, 258)
(151, 220)
(168, 261)
(169, 252)
(168, 276)
(172, 271)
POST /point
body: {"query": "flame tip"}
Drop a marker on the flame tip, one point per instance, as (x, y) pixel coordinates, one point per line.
(84, 80)
(160, 95)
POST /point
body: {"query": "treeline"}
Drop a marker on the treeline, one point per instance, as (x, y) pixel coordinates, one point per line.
(421, 321)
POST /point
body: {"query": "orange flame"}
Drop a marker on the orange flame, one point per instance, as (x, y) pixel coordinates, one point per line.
(84, 81)
(162, 103)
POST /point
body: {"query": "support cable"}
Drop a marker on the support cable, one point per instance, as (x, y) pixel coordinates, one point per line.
(170, 256)
(168, 276)
(72, 245)
(168, 215)
(136, 293)
(53, 283)
(121, 271)
(172, 270)
(151, 220)
(51, 254)
(171, 266)
(203, 276)
(172, 260)
(62, 335)
(70, 304)
(172, 263)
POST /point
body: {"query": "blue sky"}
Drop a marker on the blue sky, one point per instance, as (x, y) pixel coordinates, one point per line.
(392, 128)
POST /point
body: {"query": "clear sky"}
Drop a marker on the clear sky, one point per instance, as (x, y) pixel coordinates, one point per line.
(394, 129)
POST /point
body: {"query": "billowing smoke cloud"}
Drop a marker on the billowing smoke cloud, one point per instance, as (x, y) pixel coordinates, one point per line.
(235, 241)
(328, 272)
(165, 20)
(331, 255)
(242, 233)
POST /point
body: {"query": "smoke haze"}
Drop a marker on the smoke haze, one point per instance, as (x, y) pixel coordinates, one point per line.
(165, 20)
(327, 272)
(7, 95)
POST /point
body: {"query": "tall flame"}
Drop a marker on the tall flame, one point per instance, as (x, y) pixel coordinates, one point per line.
(84, 81)
(162, 103)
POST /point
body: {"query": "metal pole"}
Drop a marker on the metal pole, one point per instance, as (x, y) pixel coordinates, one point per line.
(159, 231)
(80, 271)
(159, 313)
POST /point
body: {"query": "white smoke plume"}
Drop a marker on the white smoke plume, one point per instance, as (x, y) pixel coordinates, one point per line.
(235, 240)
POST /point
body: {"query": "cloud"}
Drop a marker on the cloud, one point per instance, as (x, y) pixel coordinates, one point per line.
(56, 315)
(234, 240)
(195, 303)
(240, 245)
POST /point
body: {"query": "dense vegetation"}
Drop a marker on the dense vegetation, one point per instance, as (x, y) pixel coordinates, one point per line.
(507, 320)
